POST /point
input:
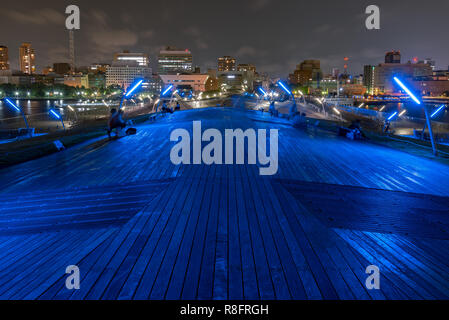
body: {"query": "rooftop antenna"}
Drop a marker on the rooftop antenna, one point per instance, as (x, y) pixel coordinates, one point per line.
(72, 50)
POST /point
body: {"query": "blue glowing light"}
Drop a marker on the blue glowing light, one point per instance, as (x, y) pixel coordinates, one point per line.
(437, 111)
(392, 116)
(167, 90)
(399, 82)
(12, 105)
(138, 84)
(285, 88)
(55, 114)
(262, 91)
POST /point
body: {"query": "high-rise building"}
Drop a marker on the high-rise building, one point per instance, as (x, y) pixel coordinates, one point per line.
(246, 67)
(141, 59)
(172, 61)
(4, 59)
(27, 57)
(306, 73)
(226, 63)
(393, 57)
(368, 78)
(123, 72)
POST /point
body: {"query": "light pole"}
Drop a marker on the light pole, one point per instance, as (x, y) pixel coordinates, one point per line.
(16, 108)
(428, 120)
(130, 91)
(56, 115)
(293, 108)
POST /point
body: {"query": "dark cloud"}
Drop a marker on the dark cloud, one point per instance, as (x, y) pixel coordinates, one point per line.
(38, 17)
(274, 35)
(259, 4)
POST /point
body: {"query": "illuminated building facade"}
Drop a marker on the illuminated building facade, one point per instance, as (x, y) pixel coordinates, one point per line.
(126, 68)
(27, 58)
(124, 75)
(142, 59)
(384, 73)
(369, 78)
(197, 82)
(4, 58)
(306, 72)
(77, 81)
(246, 67)
(237, 80)
(172, 61)
(393, 57)
(226, 63)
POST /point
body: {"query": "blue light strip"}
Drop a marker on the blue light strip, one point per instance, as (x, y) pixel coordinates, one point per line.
(438, 110)
(53, 112)
(12, 104)
(262, 91)
(167, 90)
(134, 88)
(399, 82)
(392, 116)
(285, 88)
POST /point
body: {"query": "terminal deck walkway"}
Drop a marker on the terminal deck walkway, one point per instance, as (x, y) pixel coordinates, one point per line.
(139, 227)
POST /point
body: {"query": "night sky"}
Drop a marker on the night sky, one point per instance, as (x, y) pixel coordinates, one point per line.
(274, 35)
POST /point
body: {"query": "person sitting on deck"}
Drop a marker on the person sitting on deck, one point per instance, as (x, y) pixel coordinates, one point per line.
(272, 109)
(166, 109)
(353, 132)
(115, 121)
(299, 121)
(387, 126)
(293, 110)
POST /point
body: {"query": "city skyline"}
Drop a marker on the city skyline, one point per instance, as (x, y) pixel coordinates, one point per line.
(280, 36)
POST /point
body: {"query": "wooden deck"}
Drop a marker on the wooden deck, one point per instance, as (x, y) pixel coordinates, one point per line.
(140, 227)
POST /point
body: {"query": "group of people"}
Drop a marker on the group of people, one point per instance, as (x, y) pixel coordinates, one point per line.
(353, 132)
